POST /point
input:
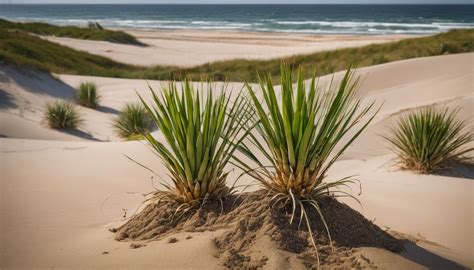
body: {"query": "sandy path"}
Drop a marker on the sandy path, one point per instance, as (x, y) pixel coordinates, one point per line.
(59, 196)
(190, 48)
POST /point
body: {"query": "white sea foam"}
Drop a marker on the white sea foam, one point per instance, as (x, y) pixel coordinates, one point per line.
(376, 24)
(271, 25)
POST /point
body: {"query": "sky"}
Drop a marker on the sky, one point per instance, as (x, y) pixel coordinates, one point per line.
(238, 1)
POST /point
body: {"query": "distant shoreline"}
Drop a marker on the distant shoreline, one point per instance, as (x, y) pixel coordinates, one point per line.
(247, 31)
(329, 19)
(264, 33)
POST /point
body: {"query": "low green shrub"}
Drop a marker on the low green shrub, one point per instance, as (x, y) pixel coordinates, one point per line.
(428, 139)
(87, 95)
(61, 115)
(133, 122)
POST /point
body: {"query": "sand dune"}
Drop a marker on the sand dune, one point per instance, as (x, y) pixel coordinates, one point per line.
(26, 93)
(61, 192)
(172, 47)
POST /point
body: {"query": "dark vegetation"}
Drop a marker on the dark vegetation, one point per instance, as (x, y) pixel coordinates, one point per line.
(19, 47)
(94, 31)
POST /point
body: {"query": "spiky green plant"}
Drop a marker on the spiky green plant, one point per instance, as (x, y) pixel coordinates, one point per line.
(428, 139)
(202, 133)
(61, 115)
(133, 121)
(301, 136)
(87, 95)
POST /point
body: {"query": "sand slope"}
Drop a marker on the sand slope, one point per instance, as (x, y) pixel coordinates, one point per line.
(59, 194)
(446, 79)
(190, 48)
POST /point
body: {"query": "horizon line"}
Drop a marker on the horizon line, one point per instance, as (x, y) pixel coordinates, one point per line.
(250, 4)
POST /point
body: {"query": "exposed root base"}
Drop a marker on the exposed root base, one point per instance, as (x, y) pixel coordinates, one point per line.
(249, 219)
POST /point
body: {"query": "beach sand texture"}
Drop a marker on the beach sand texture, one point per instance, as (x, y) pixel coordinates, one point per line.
(185, 48)
(60, 192)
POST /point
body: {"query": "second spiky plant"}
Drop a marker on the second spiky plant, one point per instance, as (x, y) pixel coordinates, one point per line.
(428, 139)
(202, 130)
(302, 131)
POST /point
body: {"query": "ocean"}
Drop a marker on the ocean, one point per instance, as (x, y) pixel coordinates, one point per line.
(311, 19)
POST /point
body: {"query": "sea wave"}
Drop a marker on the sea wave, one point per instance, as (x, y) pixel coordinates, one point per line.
(367, 19)
(271, 25)
(377, 24)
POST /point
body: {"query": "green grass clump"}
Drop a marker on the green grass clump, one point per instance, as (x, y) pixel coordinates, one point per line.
(94, 31)
(87, 95)
(133, 122)
(202, 131)
(428, 139)
(61, 115)
(301, 132)
(19, 47)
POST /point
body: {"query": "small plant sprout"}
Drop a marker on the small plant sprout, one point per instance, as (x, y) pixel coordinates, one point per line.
(87, 95)
(133, 122)
(61, 115)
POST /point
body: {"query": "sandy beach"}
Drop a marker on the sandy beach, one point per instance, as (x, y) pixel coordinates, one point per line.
(186, 48)
(61, 192)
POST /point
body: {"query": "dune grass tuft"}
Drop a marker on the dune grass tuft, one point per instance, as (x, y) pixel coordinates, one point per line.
(202, 131)
(87, 95)
(301, 132)
(428, 139)
(94, 31)
(133, 122)
(61, 115)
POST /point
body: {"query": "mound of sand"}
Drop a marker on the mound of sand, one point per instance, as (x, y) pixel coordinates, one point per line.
(252, 217)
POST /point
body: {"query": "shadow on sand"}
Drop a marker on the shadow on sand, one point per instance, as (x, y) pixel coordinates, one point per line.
(37, 82)
(427, 258)
(106, 109)
(80, 133)
(458, 169)
(6, 100)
